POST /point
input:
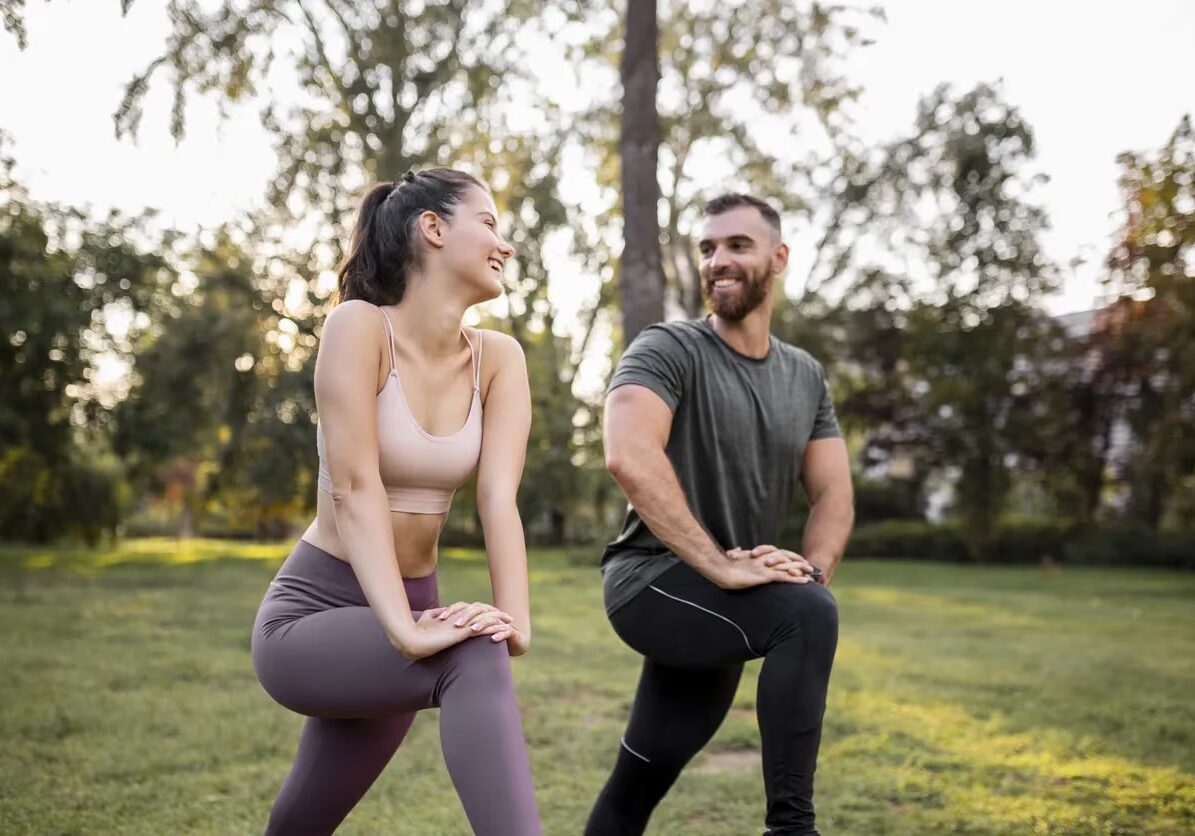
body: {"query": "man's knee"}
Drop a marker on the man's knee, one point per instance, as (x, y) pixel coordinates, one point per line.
(822, 609)
(805, 608)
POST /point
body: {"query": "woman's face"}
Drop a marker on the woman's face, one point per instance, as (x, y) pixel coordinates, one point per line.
(474, 249)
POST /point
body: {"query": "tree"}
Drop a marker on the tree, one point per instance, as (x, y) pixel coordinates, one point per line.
(14, 19)
(935, 251)
(61, 274)
(219, 413)
(641, 278)
(733, 77)
(386, 87)
(382, 85)
(1153, 353)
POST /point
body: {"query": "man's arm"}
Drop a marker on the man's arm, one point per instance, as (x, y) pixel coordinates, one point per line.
(826, 475)
(636, 429)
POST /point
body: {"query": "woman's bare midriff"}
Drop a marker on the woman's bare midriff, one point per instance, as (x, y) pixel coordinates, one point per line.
(415, 537)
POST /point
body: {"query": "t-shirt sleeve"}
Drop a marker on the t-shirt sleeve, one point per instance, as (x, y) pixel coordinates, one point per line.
(825, 423)
(658, 360)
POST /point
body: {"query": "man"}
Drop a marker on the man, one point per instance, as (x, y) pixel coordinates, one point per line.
(707, 425)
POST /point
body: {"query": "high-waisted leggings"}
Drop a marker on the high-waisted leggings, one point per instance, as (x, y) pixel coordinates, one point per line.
(319, 650)
(695, 638)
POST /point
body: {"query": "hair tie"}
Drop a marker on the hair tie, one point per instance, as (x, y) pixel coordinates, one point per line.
(409, 177)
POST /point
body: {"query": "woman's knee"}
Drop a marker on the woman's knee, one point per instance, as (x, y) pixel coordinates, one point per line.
(480, 658)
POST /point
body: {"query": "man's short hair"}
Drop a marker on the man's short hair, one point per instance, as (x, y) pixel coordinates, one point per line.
(733, 200)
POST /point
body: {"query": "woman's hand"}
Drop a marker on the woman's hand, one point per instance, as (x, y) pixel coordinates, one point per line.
(486, 620)
(517, 641)
(476, 616)
(429, 635)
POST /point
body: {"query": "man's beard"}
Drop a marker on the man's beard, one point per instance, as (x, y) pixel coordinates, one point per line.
(753, 290)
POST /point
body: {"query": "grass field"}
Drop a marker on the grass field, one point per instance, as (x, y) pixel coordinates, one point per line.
(964, 700)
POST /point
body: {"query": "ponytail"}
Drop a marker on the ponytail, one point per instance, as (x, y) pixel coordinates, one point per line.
(383, 247)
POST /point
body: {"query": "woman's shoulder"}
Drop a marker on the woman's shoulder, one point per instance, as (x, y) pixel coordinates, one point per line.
(353, 321)
(351, 313)
(500, 351)
(498, 348)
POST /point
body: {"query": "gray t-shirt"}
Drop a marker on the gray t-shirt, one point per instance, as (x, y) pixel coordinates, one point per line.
(739, 430)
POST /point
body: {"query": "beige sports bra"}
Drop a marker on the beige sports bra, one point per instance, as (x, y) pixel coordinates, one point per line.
(421, 471)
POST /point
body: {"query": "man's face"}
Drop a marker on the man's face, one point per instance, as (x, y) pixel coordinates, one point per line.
(740, 254)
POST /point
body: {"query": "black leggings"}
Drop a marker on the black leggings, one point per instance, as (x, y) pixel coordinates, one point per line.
(695, 638)
(319, 650)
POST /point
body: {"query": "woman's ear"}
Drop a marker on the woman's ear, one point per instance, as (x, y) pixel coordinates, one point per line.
(431, 229)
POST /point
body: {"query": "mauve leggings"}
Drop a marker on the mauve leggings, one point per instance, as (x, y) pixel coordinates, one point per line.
(319, 651)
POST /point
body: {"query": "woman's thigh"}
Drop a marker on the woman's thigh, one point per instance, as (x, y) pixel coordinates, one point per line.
(339, 663)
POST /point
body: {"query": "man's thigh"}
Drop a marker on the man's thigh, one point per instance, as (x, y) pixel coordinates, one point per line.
(683, 619)
(684, 623)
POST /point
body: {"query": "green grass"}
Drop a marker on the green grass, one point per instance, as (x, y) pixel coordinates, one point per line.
(964, 700)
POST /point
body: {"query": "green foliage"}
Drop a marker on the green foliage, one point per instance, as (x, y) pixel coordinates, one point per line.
(733, 76)
(1147, 348)
(889, 499)
(924, 298)
(1135, 544)
(907, 538)
(953, 368)
(386, 87)
(56, 478)
(220, 413)
(82, 496)
(1030, 540)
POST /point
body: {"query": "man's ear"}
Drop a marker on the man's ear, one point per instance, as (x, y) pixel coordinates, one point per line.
(779, 259)
(431, 229)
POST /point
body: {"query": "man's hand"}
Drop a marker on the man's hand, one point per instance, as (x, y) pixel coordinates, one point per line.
(741, 570)
(783, 559)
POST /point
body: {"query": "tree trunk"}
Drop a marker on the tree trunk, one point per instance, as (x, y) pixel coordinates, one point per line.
(186, 528)
(641, 277)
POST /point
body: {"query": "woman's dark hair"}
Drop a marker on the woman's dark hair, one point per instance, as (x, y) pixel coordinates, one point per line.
(383, 246)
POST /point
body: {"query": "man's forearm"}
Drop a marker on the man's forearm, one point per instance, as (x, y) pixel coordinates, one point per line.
(828, 528)
(650, 483)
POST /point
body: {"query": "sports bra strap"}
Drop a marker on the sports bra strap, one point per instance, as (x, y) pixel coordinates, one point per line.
(477, 371)
(389, 337)
(476, 357)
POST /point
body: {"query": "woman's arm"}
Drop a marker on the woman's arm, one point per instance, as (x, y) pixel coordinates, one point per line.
(346, 397)
(507, 423)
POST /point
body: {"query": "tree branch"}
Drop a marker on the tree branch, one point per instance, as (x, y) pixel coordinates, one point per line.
(333, 77)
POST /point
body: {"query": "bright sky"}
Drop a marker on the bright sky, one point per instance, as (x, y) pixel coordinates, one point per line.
(1093, 79)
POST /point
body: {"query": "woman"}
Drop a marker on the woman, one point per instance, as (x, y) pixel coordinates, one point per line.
(351, 632)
